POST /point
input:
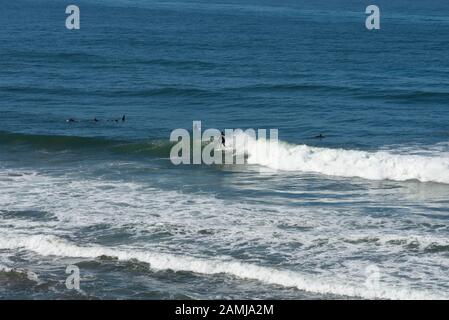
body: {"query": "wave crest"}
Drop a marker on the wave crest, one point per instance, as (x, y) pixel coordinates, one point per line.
(54, 246)
(380, 165)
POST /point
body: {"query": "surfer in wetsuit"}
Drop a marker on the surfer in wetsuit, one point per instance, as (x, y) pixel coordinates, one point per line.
(320, 136)
(123, 118)
(223, 140)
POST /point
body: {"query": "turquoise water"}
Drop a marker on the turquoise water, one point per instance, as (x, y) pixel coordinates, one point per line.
(371, 195)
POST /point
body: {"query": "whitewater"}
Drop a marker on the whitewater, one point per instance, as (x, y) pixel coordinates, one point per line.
(63, 217)
(53, 246)
(377, 165)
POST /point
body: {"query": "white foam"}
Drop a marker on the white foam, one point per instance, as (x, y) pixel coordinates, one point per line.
(379, 165)
(29, 274)
(54, 246)
(263, 229)
(420, 242)
(5, 268)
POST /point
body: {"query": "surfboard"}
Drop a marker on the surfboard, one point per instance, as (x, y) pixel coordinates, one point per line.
(222, 148)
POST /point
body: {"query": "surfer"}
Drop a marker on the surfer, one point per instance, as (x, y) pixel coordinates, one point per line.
(123, 118)
(223, 140)
(96, 120)
(71, 120)
(320, 136)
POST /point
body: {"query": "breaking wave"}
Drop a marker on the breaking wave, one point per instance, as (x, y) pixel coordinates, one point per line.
(53, 246)
(380, 165)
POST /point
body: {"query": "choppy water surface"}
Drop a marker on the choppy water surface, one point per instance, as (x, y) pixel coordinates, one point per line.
(371, 199)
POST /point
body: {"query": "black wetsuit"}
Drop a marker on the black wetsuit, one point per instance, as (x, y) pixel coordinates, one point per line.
(223, 140)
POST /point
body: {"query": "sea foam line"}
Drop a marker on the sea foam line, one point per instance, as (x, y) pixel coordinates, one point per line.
(47, 245)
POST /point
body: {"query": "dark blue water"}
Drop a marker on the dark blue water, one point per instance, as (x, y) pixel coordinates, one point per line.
(371, 195)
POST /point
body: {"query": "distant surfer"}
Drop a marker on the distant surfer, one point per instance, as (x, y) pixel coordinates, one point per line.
(95, 119)
(320, 136)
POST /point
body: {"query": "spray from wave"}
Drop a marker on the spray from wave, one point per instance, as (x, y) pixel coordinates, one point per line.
(381, 165)
(47, 245)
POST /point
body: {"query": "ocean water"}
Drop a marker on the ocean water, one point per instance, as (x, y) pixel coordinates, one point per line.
(360, 214)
